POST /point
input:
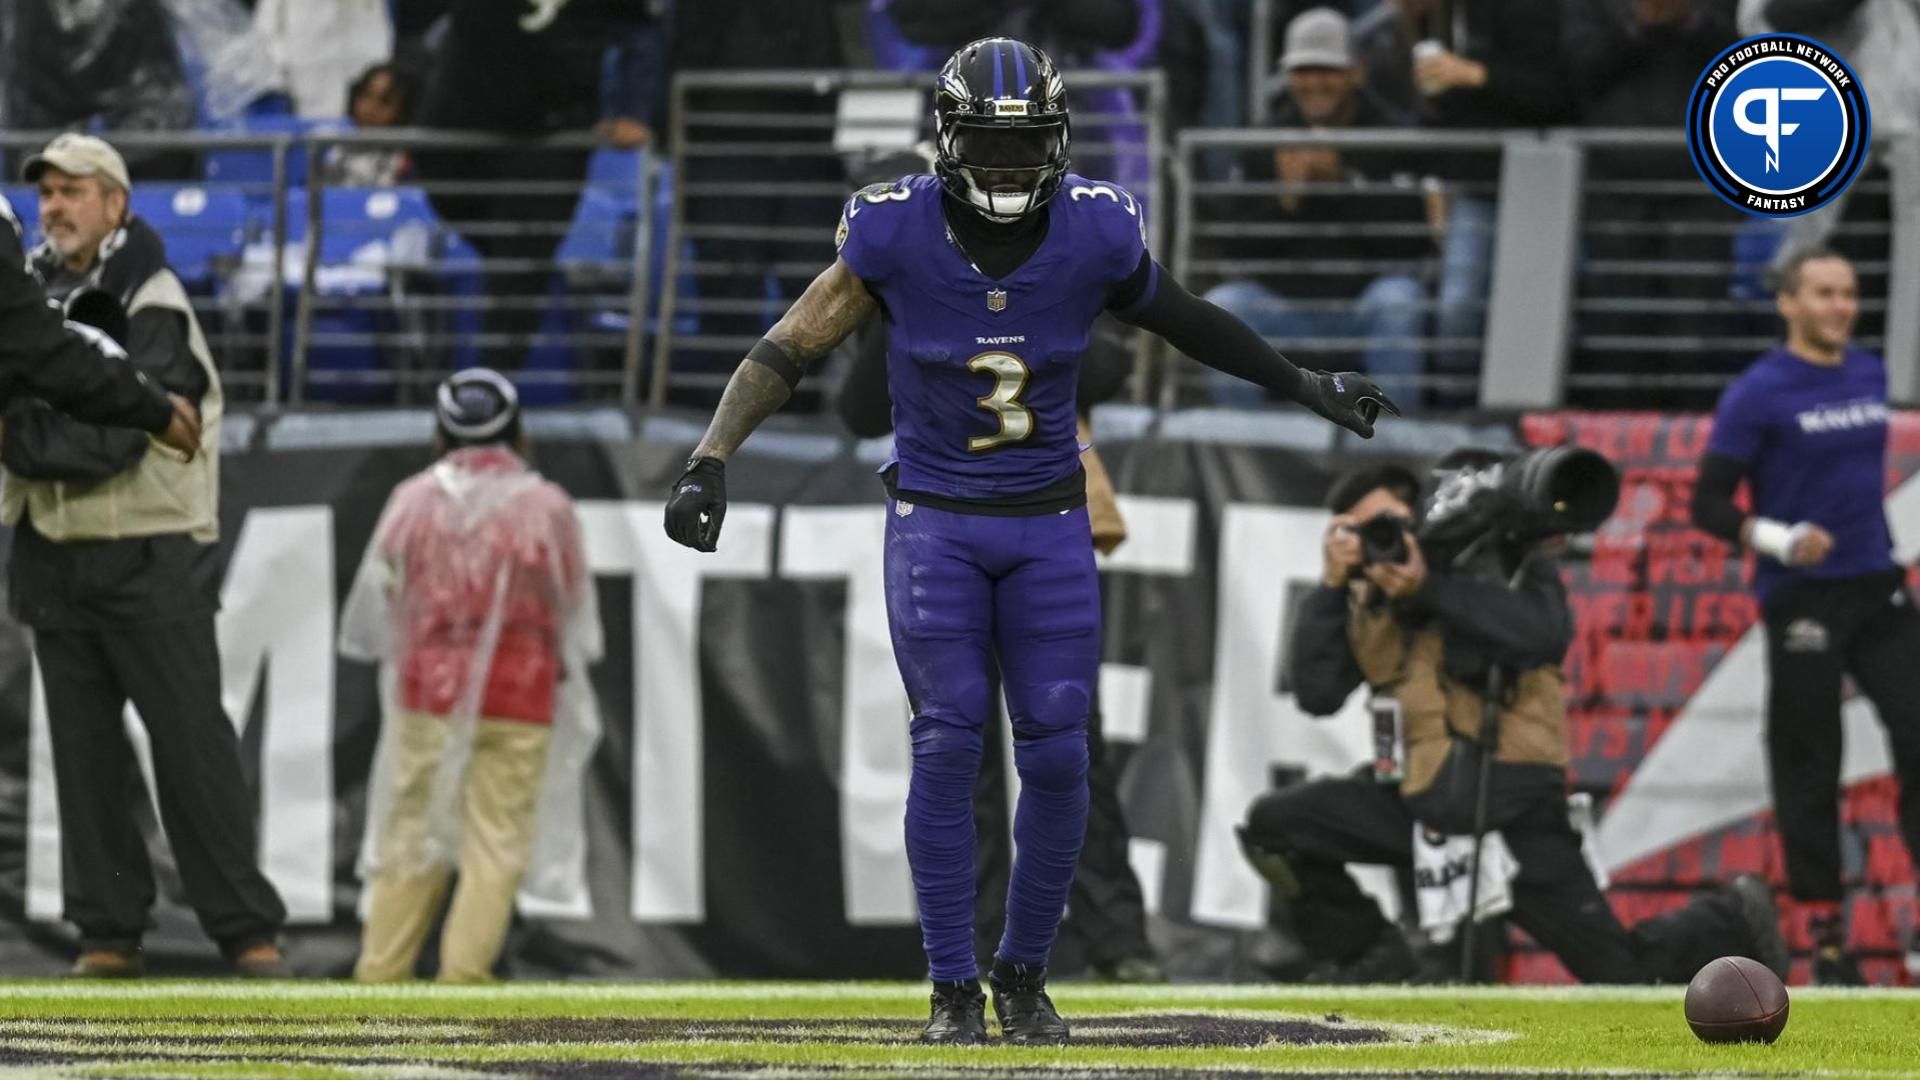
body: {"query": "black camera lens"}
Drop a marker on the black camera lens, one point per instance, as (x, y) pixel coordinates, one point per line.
(1383, 539)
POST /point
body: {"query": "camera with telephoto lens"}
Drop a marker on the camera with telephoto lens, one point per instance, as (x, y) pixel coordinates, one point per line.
(1515, 499)
(1383, 539)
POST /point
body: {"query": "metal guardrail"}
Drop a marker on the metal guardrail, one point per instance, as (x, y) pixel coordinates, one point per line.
(1543, 306)
(1548, 306)
(793, 211)
(268, 289)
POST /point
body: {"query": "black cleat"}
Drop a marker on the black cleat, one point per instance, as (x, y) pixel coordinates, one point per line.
(1833, 965)
(1027, 1016)
(959, 1014)
(1388, 960)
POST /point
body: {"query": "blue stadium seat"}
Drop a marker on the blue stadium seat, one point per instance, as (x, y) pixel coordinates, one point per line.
(205, 229)
(26, 206)
(254, 167)
(1754, 245)
(367, 234)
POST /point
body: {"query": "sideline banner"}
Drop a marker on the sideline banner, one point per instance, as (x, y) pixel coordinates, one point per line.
(744, 808)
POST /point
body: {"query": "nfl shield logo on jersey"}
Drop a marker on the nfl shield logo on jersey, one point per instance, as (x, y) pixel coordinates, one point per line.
(996, 299)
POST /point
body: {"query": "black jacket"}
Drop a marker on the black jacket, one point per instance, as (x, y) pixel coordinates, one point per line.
(495, 74)
(39, 356)
(1527, 84)
(41, 443)
(1628, 75)
(1482, 623)
(105, 584)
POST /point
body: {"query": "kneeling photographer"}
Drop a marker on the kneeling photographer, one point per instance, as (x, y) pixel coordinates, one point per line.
(1437, 615)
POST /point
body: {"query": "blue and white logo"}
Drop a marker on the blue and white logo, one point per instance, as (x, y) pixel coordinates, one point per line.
(1778, 125)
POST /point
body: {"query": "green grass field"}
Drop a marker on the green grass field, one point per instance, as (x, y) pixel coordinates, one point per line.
(866, 1030)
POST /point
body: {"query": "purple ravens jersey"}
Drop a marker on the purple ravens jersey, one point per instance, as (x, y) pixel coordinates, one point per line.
(983, 371)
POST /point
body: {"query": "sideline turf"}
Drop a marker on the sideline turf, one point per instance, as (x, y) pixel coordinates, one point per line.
(326, 1030)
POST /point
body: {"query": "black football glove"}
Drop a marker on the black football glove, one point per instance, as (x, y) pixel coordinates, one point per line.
(1347, 398)
(698, 504)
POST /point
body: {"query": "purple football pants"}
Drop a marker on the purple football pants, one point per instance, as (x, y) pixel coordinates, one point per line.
(965, 591)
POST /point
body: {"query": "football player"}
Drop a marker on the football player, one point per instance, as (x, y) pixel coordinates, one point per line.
(989, 275)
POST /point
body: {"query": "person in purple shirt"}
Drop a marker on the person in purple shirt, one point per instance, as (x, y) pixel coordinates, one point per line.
(1806, 427)
(989, 275)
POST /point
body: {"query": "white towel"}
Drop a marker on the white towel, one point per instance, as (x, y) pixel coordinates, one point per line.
(1441, 865)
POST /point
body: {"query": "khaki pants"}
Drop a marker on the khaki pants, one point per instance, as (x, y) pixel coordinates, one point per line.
(502, 790)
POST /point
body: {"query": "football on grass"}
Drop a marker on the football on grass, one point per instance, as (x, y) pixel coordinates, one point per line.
(1735, 1000)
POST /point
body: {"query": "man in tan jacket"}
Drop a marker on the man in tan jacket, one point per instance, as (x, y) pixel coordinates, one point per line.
(108, 528)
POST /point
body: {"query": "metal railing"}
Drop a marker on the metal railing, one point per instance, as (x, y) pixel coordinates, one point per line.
(1580, 292)
(1575, 287)
(782, 196)
(1299, 276)
(314, 284)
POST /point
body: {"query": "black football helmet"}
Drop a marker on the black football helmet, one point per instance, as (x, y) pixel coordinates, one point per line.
(1000, 117)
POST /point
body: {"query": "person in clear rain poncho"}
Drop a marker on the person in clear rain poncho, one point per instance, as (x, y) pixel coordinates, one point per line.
(476, 599)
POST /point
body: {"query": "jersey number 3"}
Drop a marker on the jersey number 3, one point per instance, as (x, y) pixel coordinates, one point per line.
(1009, 378)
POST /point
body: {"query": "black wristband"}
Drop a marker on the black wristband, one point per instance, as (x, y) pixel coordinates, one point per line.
(775, 359)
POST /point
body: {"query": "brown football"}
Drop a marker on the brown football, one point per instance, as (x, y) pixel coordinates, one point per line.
(1734, 999)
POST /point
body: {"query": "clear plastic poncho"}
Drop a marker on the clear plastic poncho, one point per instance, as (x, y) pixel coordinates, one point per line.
(478, 562)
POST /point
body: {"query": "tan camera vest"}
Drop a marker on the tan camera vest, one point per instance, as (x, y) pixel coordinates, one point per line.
(1407, 665)
(159, 494)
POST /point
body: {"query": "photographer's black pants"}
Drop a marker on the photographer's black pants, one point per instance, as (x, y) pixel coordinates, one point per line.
(1321, 826)
(1816, 633)
(171, 672)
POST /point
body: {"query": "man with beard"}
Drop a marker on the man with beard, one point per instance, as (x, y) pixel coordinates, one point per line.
(107, 532)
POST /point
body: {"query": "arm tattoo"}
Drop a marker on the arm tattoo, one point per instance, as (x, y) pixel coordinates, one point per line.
(827, 312)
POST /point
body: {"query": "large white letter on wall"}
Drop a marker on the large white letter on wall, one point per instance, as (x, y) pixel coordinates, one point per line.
(1263, 550)
(875, 752)
(669, 836)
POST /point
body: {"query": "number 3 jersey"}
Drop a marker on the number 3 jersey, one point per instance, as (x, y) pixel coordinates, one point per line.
(983, 371)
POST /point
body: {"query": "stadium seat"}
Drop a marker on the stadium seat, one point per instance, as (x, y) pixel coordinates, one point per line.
(26, 206)
(1754, 246)
(205, 229)
(253, 167)
(374, 242)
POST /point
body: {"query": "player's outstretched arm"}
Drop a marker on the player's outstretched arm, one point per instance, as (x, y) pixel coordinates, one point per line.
(1218, 339)
(833, 305)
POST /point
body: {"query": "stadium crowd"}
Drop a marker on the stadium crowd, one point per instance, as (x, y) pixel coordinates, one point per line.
(1401, 242)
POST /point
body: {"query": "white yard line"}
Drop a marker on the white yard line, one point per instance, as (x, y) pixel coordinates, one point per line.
(1163, 997)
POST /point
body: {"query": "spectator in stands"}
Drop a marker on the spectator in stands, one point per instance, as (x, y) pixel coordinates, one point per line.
(382, 97)
(771, 207)
(1356, 208)
(1633, 63)
(475, 591)
(107, 532)
(1384, 38)
(1880, 39)
(1496, 64)
(319, 48)
(521, 69)
(114, 61)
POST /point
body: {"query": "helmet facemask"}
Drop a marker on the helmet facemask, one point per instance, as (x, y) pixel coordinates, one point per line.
(1003, 170)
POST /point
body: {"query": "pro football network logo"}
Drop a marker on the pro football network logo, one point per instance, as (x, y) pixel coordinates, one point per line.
(1778, 125)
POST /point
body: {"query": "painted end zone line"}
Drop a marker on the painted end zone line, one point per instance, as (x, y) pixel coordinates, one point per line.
(1163, 996)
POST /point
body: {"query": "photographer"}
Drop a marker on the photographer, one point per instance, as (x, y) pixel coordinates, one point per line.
(1424, 636)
